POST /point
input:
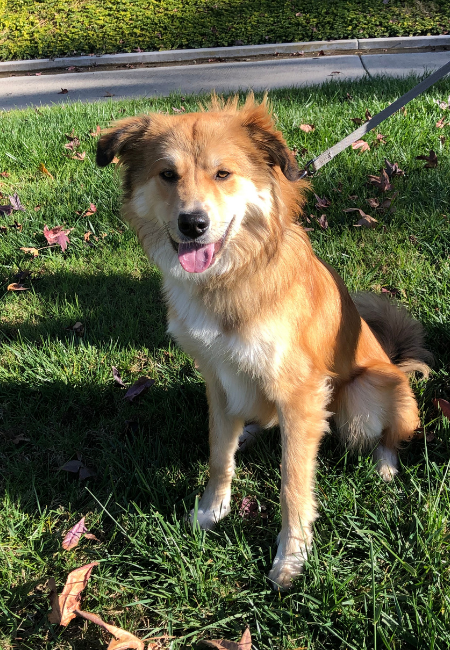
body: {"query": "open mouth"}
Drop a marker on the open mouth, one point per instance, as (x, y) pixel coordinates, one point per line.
(196, 257)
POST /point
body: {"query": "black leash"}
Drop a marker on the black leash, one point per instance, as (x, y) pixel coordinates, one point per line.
(329, 154)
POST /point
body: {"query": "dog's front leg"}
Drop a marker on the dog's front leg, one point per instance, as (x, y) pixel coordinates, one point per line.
(303, 421)
(224, 432)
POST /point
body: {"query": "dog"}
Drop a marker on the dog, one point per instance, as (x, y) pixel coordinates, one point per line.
(214, 197)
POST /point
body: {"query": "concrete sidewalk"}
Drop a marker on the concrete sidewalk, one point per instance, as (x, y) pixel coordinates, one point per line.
(23, 91)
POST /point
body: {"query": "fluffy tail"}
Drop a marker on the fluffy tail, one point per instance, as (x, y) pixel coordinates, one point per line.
(400, 336)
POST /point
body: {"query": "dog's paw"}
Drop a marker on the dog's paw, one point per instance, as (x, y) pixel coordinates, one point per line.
(248, 436)
(286, 568)
(208, 518)
(386, 460)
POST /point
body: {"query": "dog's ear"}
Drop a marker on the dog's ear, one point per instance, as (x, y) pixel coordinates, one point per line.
(260, 126)
(122, 137)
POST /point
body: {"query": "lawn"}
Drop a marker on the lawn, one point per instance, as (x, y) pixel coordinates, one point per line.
(30, 29)
(379, 574)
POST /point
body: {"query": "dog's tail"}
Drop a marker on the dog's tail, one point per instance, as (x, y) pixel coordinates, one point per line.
(400, 335)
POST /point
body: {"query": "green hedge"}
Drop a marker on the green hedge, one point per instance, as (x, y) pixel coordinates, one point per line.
(43, 28)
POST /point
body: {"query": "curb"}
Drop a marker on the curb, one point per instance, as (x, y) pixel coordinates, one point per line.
(175, 56)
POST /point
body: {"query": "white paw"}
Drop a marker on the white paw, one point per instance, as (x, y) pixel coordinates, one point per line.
(248, 436)
(386, 460)
(286, 567)
(208, 518)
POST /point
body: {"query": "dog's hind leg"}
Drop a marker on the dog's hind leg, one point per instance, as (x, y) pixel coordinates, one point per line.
(377, 410)
(224, 432)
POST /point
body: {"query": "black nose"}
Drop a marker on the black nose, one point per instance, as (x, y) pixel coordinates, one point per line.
(193, 224)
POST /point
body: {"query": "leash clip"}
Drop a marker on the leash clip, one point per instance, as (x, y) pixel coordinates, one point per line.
(305, 171)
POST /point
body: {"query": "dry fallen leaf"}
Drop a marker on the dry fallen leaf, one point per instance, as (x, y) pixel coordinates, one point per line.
(32, 251)
(4, 174)
(432, 160)
(392, 169)
(138, 387)
(374, 203)
(361, 144)
(57, 235)
(78, 155)
(95, 133)
(443, 405)
(322, 221)
(6, 209)
(74, 535)
(123, 639)
(15, 202)
(368, 115)
(322, 203)
(87, 235)
(222, 644)
(64, 606)
(357, 120)
(178, 110)
(44, 170)
(441, 123)
(307, 128)
(64, 91)
(108, 94)
(117, 377)
(381, 181)
(15, 286)
(379, 140)
(92, 210)
(366, 220)
(78, 467)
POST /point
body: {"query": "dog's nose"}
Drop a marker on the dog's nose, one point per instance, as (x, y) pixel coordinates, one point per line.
(193, 224)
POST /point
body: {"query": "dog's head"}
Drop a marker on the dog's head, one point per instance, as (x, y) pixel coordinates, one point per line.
(199, 185)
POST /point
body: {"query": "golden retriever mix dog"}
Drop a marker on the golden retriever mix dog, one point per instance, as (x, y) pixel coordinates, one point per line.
(214, 197)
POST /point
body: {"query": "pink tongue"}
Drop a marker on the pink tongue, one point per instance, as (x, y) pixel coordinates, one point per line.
(195, 258)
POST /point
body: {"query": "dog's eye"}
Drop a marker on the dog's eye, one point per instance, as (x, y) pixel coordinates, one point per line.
(168, 175)
(222, 174)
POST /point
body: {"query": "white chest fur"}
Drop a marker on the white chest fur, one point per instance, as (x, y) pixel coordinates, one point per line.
(238, 363)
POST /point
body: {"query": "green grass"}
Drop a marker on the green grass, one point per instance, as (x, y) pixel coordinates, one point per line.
(379, 573)
(30, 29)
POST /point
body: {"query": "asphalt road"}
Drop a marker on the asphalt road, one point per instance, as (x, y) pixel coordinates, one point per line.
(22, 91)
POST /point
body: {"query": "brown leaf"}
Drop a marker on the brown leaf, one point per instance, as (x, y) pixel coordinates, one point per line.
(78, 328)
(54, 615)
(17, 226)
(366, 222)
(368, 115)
(63, 611)
(117, 377)
(87, 235)
(387, 201)
(352, 197)
(361, 144)
(79, 155)
(108, 94)
(44, 170)
(96, 133)
(321, 53)
(32, 251)
(57, 235)
(432, 160)
(74, 535)
(92, 210)
(15, 202)
(382, 181)
(6, 209)
(72, 144)
(441, 123)
(64, 91)
(349, 97)
(178, 110)
(77, 467)
(138, 387)
(392, 169)
(403, 110)
(374, 203)
(91, 536)
(442, 138)
(4, 174)
(357, 120)
(307, 128)
(123, 639)
(322, 221)
(15, 286)
(379, 140)
(443, 405)
(322, 203)
(222, 644)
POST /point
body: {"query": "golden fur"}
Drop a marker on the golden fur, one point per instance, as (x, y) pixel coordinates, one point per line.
(274, 331)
